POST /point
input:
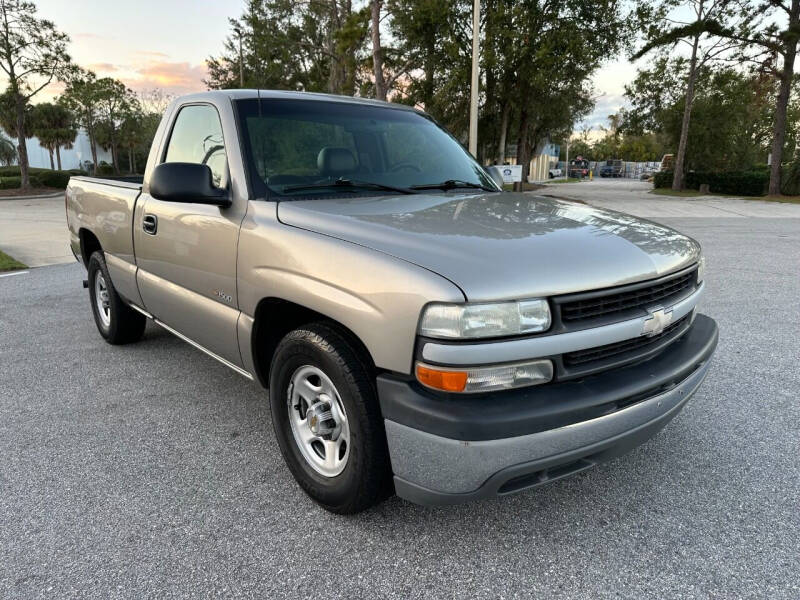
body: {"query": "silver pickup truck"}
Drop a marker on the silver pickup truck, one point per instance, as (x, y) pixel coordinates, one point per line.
(418, 329)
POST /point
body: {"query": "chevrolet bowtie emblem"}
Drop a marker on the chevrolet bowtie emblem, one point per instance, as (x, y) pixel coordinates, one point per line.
(659, 320)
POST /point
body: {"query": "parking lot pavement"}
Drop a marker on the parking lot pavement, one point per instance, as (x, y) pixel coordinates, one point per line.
(152, 471)
(634, 197)
(34, 230)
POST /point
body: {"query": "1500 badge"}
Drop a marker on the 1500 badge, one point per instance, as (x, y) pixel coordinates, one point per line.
(222, 296)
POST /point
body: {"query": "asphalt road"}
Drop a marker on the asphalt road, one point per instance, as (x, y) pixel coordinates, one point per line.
(152, 471)
(635, 197)
(34, 230)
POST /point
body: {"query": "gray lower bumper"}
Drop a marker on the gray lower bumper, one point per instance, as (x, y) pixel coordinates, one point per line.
(431, 469)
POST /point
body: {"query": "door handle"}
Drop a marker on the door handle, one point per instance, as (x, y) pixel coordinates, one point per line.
(150, 224)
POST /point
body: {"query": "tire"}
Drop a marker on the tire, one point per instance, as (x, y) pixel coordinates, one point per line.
(359, 475)
(116, 321)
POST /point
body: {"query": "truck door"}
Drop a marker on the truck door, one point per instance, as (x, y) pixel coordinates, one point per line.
(186, 252)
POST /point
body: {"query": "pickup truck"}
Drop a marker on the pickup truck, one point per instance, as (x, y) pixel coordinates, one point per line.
(579, 168)
(418, 330)
(612, 168)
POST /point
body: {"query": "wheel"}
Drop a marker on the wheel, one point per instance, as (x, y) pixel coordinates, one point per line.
(327, 420)
(116, 321)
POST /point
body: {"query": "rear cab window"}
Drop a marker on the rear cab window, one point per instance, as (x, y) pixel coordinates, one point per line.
(197, 138)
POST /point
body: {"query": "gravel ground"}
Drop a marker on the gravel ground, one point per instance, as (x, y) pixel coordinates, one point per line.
(152, 471)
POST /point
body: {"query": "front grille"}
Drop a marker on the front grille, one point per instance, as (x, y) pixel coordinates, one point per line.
(638, 345)
(618, 300)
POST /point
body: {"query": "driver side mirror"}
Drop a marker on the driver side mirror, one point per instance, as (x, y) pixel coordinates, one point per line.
(497, 175)
(186, 182)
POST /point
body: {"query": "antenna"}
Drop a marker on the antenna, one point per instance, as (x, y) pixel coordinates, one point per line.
(258, 91)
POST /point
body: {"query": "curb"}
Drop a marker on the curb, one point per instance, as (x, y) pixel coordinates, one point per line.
(53, 195)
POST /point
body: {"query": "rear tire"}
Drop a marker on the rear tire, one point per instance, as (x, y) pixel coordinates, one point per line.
(117, 322)
(317, 372)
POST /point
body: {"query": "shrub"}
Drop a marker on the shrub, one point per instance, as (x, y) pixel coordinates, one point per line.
(662, 179)
(54, 179)
(10, 183)
(13, 171)
(740, 183)
(11, 179)
(105, 169)
(790, 179)
(752, 182)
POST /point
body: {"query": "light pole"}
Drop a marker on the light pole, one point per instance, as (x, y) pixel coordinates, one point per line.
(473, 103)
(238, 31)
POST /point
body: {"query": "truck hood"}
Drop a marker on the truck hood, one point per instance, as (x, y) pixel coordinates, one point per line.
(500, 246)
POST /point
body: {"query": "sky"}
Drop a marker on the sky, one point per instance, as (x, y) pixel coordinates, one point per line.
(145, 43)
(163, 44)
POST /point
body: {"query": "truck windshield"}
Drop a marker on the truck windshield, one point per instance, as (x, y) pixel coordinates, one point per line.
(314, 148)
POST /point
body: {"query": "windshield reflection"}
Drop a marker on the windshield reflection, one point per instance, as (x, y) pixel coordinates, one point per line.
(309, 147)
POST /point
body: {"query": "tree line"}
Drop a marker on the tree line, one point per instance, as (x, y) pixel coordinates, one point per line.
(33, 54)
(731, 125)
(537, 59)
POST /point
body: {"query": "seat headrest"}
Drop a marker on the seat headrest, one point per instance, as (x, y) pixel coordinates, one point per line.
(336, 161)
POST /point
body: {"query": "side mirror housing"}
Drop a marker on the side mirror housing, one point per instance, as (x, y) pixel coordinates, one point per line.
(497, 175)
(186, 182)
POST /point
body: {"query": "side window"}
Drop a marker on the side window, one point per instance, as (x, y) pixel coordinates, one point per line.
(197, 138)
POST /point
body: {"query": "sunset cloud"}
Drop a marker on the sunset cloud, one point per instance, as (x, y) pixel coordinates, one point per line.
(102, 67)
(172, 77)
(151, 53)
(83, 35)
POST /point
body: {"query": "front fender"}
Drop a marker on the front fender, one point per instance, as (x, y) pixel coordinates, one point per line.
(376, 296)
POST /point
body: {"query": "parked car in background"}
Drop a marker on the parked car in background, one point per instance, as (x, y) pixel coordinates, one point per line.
(555, 172)
(579, 168)
(612, 168)
(419, 330)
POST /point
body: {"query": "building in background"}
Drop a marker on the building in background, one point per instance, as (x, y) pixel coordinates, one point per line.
(544, 158)
(75, 158)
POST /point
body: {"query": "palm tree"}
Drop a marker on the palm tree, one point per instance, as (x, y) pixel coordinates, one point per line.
(705, 37)
(8, 154)
(132, 135)
(53, 125)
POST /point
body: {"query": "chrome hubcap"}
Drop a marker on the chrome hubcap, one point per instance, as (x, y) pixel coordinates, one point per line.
(101, 299)
(318, 421)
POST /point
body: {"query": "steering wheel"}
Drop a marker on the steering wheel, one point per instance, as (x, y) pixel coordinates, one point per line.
(210, 152)
(405, 166)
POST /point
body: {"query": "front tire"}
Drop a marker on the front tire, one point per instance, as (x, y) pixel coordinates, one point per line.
(117, 322)
(327, 420)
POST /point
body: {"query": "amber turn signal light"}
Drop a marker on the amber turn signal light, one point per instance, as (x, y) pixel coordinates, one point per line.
(447, 381)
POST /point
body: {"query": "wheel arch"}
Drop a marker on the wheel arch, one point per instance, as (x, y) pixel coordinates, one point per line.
(89, 244)
(275, 317)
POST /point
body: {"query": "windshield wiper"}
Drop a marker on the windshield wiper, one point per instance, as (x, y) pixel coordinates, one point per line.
(452, 184)
(347, 183)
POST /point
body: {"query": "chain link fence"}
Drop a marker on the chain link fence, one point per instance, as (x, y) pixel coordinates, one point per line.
(630, 170)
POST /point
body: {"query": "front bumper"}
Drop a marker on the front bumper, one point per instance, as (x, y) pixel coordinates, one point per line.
(446, 450)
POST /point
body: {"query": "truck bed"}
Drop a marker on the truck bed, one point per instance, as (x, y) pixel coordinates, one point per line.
(124, 181)
(104, 208)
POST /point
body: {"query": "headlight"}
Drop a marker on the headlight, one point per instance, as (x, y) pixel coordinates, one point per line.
(495, 319)
(701, 269)
(485, 379)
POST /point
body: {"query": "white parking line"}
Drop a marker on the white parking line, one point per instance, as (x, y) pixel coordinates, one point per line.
(14, 273)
